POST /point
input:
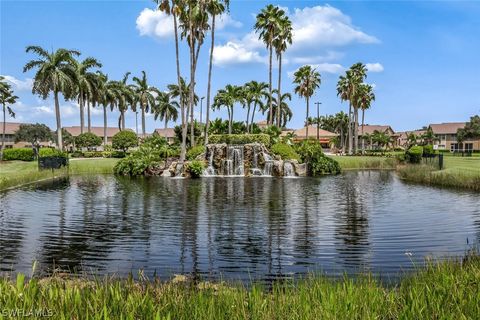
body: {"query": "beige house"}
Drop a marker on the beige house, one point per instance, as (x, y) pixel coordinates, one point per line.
(98, 131)
(369, 129)
(324, 136)
(446, 133)
(168, 133)
(10, 128)
(402, 137)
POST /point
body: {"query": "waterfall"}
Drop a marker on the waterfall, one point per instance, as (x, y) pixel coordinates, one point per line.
(228, 166)
(288, 170)
(255, 171)
(267, 170)
(210, 170)
(234, 162)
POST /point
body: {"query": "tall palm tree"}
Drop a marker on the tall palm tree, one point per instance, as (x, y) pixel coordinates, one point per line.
(285, 113)
(176, 91)
(86, 83)
(257, 92)
(364, 98)
(7, 98)
(145, 95)
(281, 42)
(267, 25)
(56, 73)
(307, 80)
(214, 8)
(107, 94)
(125, 98)
(227, 98)
(165, 109)
(174, 8)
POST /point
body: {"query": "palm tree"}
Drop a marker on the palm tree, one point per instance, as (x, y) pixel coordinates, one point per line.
(256, 91)
(227, 98)
(106, 95)
(145, 95)
(285, 113)
(268, 25)
(56, 73)
(7, 98)
(307, 80)
(165, 108)
(364, 99)
(86, 83)
(125, 97)
(282, 40)
(176, 91)
(214, 8)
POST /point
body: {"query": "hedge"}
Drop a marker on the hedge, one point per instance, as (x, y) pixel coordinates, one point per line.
(414, 154)
(240, 138)
(22, 154)
(50, 152)
(285, 151)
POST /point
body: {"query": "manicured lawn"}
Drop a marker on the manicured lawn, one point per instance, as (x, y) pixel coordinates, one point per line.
(462, 164)
(15, 173)
(449, 290)
(365, 162)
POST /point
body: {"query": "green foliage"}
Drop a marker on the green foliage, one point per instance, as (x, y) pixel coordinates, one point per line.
(195, 168)
(197, 132)
(194, 152)
(274, 133)
(33, 133)
(50, 152)
(310, 151)
(471, 130)
(124, 140)
(285, 151)
(22, 154)
(87, 140)
(155, 141)
(428, 150)
(414, 154)
(92, 154)
(240, 138)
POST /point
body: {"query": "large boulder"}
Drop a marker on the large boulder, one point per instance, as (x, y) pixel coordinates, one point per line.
(300, 168)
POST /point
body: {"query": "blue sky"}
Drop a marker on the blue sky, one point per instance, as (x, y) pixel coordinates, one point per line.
(422, 56)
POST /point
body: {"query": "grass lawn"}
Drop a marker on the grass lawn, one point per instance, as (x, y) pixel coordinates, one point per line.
(449, 290)
(365, 162)
(462, 164)
(15, 173)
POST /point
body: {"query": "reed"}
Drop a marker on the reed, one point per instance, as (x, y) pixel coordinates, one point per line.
(444, 290)
(366, 162)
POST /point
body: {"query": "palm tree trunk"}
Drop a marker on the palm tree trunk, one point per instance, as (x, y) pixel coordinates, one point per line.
(105, 138)
(363, 124)
(192, 66)
(308, 107)
(182, 104)
(270, 112)
(89, 118)
(279, 103)
(82, 112)
(248, 116)
(253, 115)
(192, 127)
(207, 123)
(123, 120)
(59, 122)
(230, 111)
(3, 133)
(355, 134)
(166, 122)
(350, 131)
(143, 121)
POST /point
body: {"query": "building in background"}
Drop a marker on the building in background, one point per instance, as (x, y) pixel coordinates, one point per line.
(446, 134)
(168, 133)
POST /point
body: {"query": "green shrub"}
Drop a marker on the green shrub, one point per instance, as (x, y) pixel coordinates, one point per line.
(285, 151)
(124, 140)
(310, 151)
(113, 154)
(87, 140)
(155, 141)
(195, 168)
(76, 154)
(414, 154)
(194, 152)
(240, 138)
(143, 160)
(131, 166)
(22, 154)
(92, 154)
(428, 150)
(274, 133)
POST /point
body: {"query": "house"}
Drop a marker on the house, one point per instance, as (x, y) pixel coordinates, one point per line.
(168, 133)
(98, 131)
(10, 128)
(262, 124)
(369, 129)
(301, 134)
(446, 134)
(402, 137)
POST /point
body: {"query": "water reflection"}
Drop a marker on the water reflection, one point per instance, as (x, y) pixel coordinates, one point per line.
(258, 228)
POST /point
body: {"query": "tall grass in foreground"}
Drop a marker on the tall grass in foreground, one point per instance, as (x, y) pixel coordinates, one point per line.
(425, 174)
(448, 290)
(366, 162)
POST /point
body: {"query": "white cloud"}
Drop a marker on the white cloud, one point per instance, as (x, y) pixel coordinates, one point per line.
(19, 85)
(315, 29)
(329, 67)
(374, 67)
(157, 24)
(44, 110)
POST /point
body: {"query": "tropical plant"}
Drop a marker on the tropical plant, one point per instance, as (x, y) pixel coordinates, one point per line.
(381, 139)
(471, 129)
(227, 98)
(364, 98)
(285, 113)
(414, 154)
(195, 168)
(255, 93)
(194, 152)
(307, 80)
(87, 140)
(145, 96)
(7, 98)
(285, 151)
(197, 132)
(165, 108)
(55, 73)
(105, 95)
(34, 134)
(267, 25)
(310, 151)
(429, 137)
(274, 133)
(124, 140)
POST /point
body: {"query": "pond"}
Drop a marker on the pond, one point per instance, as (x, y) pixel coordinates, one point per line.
(234, 228)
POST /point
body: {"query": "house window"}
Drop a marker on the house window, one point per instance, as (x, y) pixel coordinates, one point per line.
(454, 147)
(468, 146)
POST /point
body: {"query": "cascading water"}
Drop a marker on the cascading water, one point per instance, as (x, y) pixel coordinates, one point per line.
(210, 170)
(267, 169)
(255, 171)
(234, 164)
(288, 170)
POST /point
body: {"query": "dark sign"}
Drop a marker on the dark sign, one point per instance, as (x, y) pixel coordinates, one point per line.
(52, 162)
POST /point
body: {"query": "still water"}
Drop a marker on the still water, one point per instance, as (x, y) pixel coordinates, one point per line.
(234, 228)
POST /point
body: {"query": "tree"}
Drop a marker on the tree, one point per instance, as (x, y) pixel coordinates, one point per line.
(86, 83)
(307, 80)
(382, 139)
(285, 113)
(197, 132)
(145, 96)
(87, 140)
(165, 108)
(281, 42)
(227, 98)
(364, 98)
(7, 98)
(428, 137)
(56, 73)
(125, 98)
(34, 134)
(106, 95)
(256, 93)
(214, 8)
(470, 131)
(268, 25)
(124, 140)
